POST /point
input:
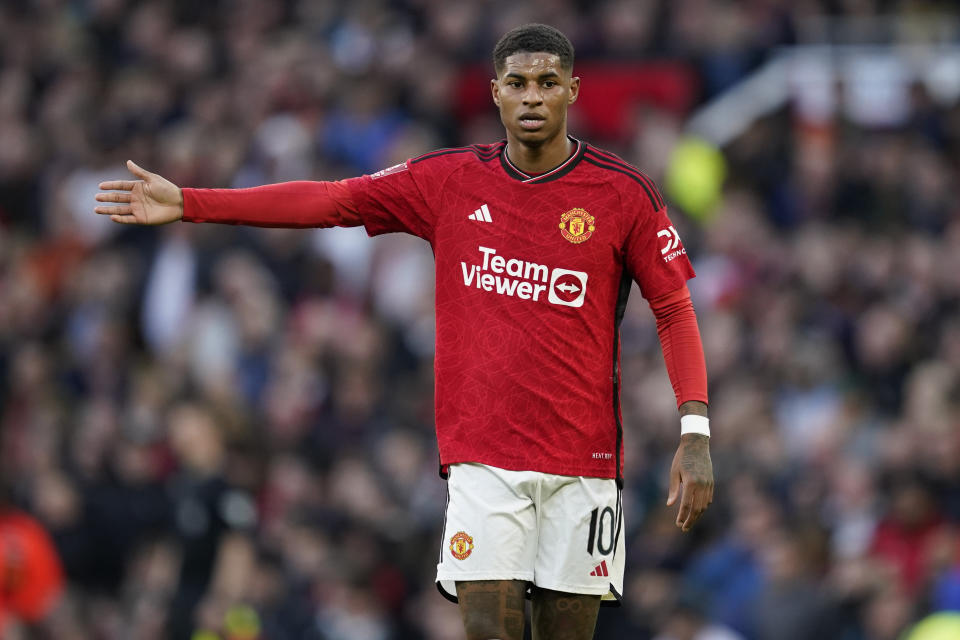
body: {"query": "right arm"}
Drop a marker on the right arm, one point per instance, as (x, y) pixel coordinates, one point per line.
(154, 200)
(298, 204)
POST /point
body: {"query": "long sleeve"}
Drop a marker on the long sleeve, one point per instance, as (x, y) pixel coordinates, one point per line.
(287, 204)
(681, 344)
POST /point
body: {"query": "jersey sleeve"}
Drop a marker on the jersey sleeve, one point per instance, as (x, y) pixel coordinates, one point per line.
(397, 199)
(681, 345)
(654, 254)
(286, 204)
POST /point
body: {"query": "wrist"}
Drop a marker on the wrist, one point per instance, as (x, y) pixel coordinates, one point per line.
(691, 423)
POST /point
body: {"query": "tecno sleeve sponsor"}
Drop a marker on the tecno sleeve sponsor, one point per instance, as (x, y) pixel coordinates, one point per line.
(655, 256)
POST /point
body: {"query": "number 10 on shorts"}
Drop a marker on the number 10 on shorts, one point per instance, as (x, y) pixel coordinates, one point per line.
(602, 531)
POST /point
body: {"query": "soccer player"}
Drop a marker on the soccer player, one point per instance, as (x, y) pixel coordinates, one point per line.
(537, 239)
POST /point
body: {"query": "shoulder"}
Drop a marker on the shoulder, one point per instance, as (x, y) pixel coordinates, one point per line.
(457, 157)
(630, 180)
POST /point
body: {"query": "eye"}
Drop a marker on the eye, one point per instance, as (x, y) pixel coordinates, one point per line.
(550, 84)
(515, 84)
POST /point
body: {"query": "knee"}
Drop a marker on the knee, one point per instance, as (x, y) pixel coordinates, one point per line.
(485, 627)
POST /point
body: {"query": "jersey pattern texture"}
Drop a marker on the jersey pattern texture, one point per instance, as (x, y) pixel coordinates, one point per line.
(532, 274)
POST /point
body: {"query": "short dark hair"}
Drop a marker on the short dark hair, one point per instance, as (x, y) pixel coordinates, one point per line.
(533, 38)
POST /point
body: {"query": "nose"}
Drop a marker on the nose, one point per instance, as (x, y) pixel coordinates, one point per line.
(532, 95)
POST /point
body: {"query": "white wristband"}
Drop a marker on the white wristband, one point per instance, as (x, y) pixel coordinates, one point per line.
(695, 424)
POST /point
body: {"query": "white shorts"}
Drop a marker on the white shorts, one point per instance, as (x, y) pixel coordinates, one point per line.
(563, 533)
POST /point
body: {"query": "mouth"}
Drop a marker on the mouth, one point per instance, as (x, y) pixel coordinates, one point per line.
(531, 121)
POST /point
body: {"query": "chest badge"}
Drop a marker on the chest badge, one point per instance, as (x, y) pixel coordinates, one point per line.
(577, 225)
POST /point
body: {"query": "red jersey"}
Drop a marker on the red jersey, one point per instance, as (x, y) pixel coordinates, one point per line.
(31, 576)
(532, 277)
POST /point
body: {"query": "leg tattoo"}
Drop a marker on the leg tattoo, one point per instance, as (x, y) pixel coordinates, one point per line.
(492, 609)
(564, 616)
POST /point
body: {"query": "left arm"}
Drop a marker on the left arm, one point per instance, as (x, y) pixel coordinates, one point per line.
(692, 470)
(657, 260)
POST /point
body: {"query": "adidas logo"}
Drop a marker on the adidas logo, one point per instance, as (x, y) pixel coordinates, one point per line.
(482, 214)
(601, 569)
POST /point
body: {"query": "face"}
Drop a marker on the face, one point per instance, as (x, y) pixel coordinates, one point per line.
(533, 92)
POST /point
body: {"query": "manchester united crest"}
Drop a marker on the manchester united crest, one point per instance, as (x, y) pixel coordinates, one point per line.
(577, 225)
(461, 545)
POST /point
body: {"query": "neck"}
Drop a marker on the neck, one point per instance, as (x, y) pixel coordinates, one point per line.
(542, 157)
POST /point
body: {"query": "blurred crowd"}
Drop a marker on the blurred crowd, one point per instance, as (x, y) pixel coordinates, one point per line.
(228, 432)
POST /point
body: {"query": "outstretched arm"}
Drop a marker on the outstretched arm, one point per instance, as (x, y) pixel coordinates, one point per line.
(691, 474)
(155, 200)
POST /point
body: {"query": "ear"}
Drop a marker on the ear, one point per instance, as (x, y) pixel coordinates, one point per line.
(495, 91)
(574, 89)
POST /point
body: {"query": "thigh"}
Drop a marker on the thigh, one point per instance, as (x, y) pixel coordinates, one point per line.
(490, 529)
(493, 609)
(581, 546)
(564, 616)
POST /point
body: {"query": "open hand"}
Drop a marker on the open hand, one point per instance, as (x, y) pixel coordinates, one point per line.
(150, 200)
(691, 473)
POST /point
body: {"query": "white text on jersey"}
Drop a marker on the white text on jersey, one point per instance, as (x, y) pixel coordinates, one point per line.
(670, 251)
(522, 279)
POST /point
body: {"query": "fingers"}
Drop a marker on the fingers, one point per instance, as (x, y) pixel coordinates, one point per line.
(686, 508)
(115, 197)
(127, 185)
(122, 185)
(124, 219)
(120, 214)
(120, 194)
(696, 498)
(697, 507)
(114, 210)
(674, 487)
(137, 170)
